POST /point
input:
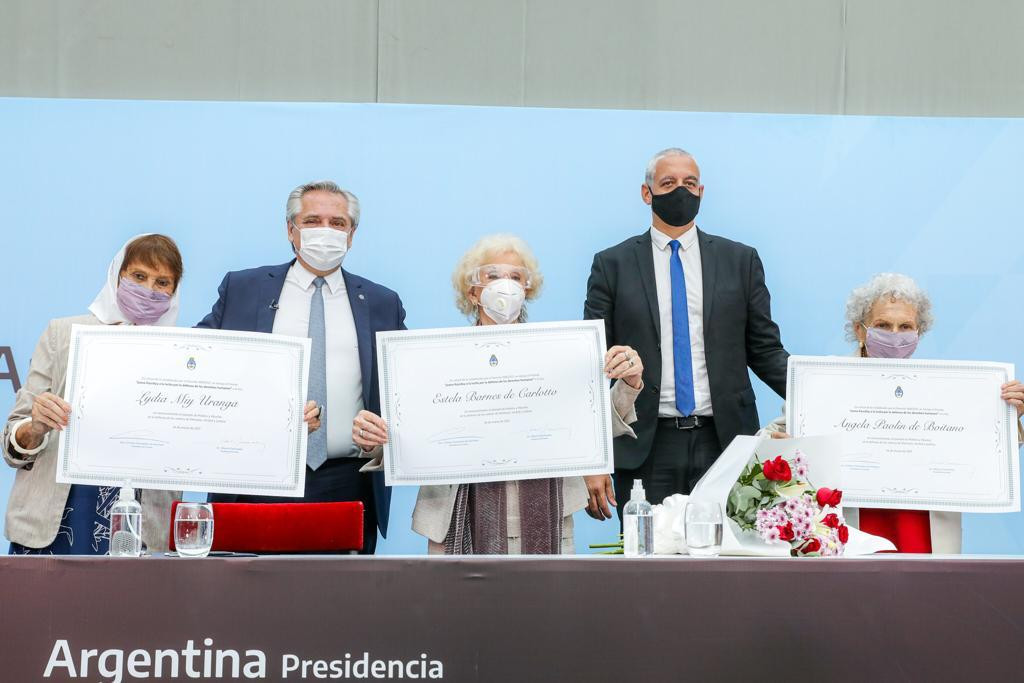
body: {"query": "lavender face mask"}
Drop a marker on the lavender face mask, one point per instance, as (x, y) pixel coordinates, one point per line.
(141, 305)
(882, 344)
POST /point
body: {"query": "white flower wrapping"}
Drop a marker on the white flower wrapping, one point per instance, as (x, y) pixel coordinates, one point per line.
(715, 485)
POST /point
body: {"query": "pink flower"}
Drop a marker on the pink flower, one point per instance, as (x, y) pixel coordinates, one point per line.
(804, 513)
(771, 534)
(801, 471)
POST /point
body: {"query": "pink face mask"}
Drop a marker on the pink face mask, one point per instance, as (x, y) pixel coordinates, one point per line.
(141, 305)
(883, 344)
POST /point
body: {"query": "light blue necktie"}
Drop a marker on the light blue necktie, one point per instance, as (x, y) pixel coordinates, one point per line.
(681, 357)
(316, 446)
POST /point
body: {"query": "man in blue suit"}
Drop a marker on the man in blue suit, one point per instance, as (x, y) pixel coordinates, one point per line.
(341, 314)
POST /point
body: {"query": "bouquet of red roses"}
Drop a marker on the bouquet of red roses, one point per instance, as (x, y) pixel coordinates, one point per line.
(775, 499)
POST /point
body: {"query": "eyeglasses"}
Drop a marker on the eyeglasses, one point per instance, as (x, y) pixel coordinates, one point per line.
(485, 274)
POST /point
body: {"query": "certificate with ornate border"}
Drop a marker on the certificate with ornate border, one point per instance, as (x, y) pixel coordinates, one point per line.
(495, 403)
(920, 434)
(180, 408)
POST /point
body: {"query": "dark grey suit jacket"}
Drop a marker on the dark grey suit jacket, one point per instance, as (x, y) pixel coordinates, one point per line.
(738, 332)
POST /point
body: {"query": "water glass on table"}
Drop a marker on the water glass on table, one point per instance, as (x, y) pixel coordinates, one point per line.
(193, 529)
(702, 520)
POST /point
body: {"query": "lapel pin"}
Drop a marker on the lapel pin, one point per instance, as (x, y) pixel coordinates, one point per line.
(361, 296)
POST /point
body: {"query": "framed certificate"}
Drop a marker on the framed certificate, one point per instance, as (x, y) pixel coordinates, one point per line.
(494, 403)
(181, 408)
(920, 434)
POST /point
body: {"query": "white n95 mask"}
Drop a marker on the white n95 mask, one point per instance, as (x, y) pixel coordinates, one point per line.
(323, 248)
(502, 300)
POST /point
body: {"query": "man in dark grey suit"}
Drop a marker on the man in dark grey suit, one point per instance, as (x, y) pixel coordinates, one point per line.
(696, 309)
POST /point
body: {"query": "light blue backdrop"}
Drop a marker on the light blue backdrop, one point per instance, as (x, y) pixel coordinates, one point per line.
(827, 200)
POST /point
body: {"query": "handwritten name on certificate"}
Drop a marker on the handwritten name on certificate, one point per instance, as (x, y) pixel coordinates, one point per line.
(178, 408)
(921, 434)
(495, 403)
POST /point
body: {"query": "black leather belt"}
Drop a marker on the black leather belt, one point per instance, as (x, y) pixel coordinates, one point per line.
(688, 422)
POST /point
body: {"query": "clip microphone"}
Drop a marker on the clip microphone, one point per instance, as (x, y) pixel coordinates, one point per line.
(273, 304)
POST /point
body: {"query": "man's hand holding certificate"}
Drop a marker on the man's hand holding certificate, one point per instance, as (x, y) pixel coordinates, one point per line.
(931, 435)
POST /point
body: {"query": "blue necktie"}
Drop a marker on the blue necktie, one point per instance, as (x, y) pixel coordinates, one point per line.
(681, 359)
(316, 446)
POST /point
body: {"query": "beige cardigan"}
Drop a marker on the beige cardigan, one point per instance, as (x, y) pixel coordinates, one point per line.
(434, 505)
(37, 501)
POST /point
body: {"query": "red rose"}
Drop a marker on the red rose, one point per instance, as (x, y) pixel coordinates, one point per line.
(831, 520)
(786, 533)
(828, 497)
(777, 469)
(844, 534)
(811, 546)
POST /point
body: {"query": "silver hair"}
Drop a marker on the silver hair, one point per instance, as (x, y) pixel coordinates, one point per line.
(653, 163)
(294, 205)
(894, 285)
(480, 254)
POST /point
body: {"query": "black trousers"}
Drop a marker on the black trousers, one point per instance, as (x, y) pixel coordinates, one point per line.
(336, 481)
(678, 459)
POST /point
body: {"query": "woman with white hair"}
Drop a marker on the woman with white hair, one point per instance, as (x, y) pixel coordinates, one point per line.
(492, 283)
(885, 318)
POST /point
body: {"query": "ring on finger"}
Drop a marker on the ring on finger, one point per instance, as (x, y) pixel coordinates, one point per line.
(360, 433)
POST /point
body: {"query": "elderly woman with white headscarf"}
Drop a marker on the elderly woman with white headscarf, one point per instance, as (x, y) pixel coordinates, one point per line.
(886, 318)
(47, 517)
(492, 282)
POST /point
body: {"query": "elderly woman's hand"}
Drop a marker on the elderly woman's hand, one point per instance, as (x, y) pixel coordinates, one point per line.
(311, 416)
(622, 362)
(369, 430)
(49, 412)
(1013, 393)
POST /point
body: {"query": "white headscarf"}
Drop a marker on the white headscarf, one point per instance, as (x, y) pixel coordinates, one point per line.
(105, 307)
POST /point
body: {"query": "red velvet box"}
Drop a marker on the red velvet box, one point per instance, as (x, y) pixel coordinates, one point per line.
(285, 527)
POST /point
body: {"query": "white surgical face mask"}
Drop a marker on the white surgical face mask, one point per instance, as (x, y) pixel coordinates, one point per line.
(323, 248)
(502, 300)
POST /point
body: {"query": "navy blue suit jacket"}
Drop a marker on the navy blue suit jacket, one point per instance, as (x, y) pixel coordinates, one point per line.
(247, 301)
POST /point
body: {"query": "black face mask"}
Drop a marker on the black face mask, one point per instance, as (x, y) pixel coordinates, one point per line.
(677, 208)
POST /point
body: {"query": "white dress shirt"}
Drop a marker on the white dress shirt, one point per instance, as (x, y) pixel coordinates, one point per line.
(344, 377)
(689, 254)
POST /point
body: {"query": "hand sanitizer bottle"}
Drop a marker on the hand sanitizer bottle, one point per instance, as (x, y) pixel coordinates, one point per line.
(126, 525)
(638, 524)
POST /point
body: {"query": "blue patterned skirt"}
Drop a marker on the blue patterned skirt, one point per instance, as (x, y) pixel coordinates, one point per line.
(85, 527)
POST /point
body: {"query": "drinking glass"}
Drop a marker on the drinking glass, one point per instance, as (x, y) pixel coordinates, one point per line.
(702, 520)
(193, 529)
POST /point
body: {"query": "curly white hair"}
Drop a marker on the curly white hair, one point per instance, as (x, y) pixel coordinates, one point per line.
(481, 253)
(895, 285)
